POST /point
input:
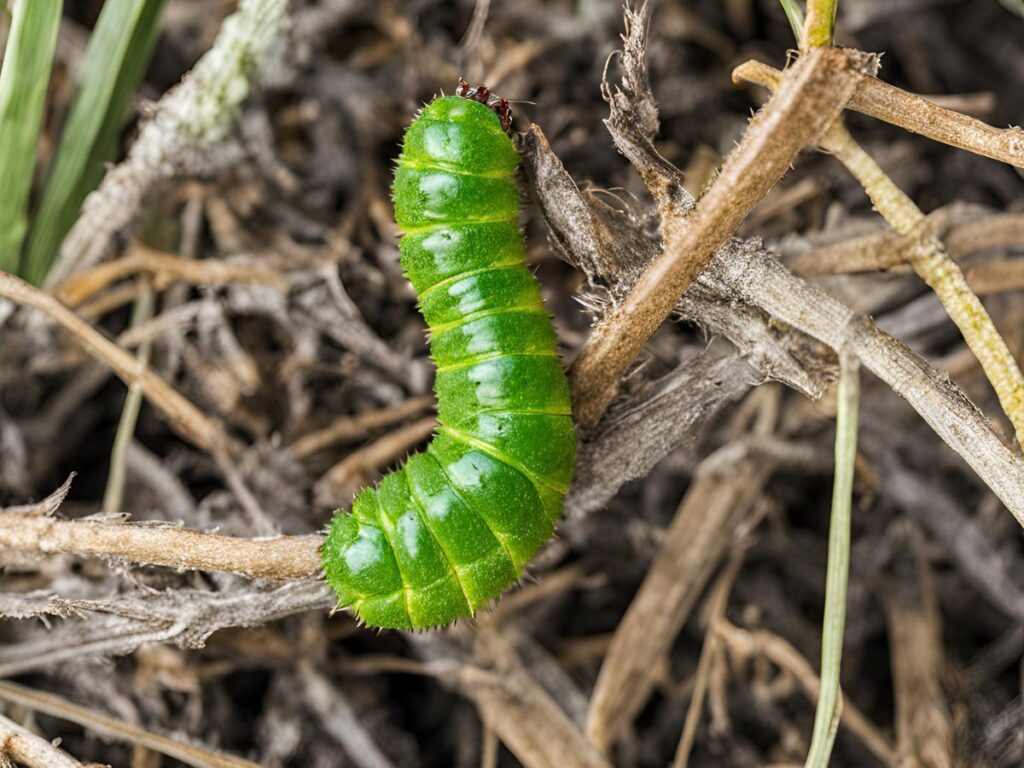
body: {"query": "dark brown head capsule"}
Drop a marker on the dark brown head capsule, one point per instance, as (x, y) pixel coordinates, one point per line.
(483, 94)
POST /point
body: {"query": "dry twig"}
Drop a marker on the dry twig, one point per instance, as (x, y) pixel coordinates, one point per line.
(339, 719)
(358, 425)
(340, 483)
(182, 415)
(924, 731)
(745, 644)
(519, 710)
(811, 97)
(165, 268)
(719, 500)
(715, 608)
(285, 558)
(928, 257)
(963, 229)
(919, 115)
(20, 744)
(55, 706)
(760, 279)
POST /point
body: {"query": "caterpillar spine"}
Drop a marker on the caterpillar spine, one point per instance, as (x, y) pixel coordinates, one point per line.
(455, 526)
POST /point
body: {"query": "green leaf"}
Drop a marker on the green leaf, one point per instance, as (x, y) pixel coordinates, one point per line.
(117, 56)
(24, 76)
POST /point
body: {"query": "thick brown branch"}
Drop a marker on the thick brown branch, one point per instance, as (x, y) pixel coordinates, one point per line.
(811, 97)
(760, 279)
(282, 559)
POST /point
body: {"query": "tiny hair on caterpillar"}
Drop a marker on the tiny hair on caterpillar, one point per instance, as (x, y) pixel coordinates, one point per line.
(455, 526)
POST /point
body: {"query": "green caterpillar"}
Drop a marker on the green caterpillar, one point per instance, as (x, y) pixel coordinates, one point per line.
(455, 526)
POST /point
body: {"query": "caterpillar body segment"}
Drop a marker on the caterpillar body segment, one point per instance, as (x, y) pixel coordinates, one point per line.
(454, 527)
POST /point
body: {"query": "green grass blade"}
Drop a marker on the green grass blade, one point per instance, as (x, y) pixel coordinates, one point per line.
(24, 76)
(795, 15)
(117, 56)
(837, 572)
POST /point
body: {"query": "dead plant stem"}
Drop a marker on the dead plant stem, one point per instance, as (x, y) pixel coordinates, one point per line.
(183, 416)
(283, 558)
(55, 706)
(919, 115)
(928, 256)
(812, 94)
(820, 25)
(932, 263)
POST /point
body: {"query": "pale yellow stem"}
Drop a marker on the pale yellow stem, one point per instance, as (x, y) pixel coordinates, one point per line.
(820, 24)
(932, 263)
(929, 257)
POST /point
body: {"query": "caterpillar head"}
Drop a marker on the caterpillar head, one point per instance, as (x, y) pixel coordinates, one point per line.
(483, 94)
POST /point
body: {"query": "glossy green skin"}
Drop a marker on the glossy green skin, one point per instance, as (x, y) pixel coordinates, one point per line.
(454, 527)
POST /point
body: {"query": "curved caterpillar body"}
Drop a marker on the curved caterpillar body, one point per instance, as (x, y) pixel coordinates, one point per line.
(455, 526)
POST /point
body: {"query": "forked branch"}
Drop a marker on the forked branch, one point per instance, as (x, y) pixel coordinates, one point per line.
(917, 114)
(812, 95)
(929, 258)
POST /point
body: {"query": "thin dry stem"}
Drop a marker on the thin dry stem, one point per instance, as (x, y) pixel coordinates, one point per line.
(928, 257)
(519, 710)
(760, 279)
(113, 299)
(889, 250)
(360, 425)
(919, 115)
(717, 603)
(183, 416)
(996, 231)
(28, 749)
(780, 652)
(165, 268)
(342, 481)
(110, 727)
(933, 264)
(281, 559)
(338, 718)
(924, 728)
(996, 277)
(812, 94)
